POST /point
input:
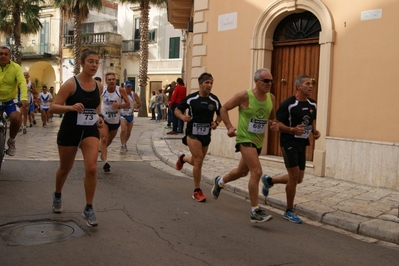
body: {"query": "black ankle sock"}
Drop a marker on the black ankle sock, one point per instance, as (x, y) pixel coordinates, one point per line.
(270, 181)
(89, 206)
(57, 195)
(197, 189)
(181, 159)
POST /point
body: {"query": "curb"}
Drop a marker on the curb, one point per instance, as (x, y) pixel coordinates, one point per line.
(383, 228)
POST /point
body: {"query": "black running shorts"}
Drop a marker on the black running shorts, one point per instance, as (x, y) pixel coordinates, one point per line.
(73, 136)
(294, 156)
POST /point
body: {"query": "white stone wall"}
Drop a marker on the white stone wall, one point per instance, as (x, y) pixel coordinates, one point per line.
(222, 145)
(363, 162)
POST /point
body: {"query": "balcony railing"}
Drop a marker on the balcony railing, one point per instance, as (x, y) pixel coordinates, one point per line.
(170, 66)
(108, 38)
(130, 46)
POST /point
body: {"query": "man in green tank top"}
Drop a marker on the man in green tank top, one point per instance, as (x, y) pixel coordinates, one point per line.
(256, 111)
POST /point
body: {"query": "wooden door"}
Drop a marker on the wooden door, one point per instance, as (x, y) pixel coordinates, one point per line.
(289, 60)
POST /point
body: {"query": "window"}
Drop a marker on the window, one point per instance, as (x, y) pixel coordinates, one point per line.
(136, 46)
(88, 28)
(151, 36)
(44, 37)
(174, 47)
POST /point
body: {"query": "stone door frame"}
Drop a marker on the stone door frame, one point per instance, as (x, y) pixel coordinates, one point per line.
(261, 53)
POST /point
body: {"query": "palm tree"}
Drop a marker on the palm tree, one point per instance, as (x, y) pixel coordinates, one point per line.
(143, 68)
(11, 12)
(78, 11)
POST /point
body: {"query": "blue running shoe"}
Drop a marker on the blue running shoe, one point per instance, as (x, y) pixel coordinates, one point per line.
(291, 216)
(266, 186)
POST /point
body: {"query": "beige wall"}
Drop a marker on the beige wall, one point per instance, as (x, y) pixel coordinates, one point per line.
(364, 91)
(357, 95)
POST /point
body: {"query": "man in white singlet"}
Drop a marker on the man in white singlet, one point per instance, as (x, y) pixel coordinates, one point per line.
(112, 97)
(127, 116)
(45, 100)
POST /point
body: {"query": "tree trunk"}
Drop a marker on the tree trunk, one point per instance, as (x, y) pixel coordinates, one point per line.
(143, 68)
(16, 13)
(77, 40)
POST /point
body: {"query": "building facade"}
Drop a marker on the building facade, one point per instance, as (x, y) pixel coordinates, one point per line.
(99, 33)
(344, 46)
(41, 51)
(165, 47)
(114, 33)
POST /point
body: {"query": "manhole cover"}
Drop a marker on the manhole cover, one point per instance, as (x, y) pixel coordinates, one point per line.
(40, 232)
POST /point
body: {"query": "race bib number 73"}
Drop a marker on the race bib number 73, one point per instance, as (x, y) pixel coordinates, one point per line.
(87, 118)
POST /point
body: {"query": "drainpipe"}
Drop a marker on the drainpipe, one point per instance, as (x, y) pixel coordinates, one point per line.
(60, 59)
(183, 70)
(103, 68)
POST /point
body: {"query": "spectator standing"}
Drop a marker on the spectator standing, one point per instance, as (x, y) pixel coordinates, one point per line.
(169, 90)
(159, 103)
(164, 106)
(153, 105)
(179, 93)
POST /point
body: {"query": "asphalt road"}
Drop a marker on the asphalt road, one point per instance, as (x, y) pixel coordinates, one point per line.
(147, 217)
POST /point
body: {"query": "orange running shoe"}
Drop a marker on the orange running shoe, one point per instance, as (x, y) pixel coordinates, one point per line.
(199, 196)
(179, 165)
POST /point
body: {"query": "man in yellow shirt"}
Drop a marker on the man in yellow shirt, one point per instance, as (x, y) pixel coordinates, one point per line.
(12, 78)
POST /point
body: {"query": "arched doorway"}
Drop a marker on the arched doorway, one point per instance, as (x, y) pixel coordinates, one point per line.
(42, 73)
(262, 49)
(296, 51)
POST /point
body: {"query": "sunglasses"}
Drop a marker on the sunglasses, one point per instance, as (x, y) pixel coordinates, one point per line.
(266, 80)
